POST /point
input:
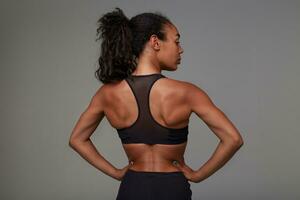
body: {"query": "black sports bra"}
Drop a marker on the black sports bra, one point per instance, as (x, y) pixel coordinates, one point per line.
(145, 129)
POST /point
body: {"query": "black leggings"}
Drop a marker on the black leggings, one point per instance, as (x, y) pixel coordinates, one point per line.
(137, 185)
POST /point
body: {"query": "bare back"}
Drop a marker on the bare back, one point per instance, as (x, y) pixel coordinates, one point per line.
(168, 107)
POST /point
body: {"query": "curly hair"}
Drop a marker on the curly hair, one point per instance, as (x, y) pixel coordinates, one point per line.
(123, 40)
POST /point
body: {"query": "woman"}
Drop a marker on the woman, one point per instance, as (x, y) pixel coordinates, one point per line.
(149, 111)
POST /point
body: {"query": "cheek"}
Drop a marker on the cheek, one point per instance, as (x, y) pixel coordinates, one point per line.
(168, 54)
(171, 53)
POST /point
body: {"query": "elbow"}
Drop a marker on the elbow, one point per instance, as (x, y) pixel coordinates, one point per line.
(72, 143)
(235, 143)
(238, 142)
(75, 142)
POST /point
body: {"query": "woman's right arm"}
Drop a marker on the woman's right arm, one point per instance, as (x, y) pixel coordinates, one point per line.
(221, 126)
(81, 142)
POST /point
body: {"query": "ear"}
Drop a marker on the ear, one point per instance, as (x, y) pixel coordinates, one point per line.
(154, 42)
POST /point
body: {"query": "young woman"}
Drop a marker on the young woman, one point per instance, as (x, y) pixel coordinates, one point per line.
(149, 111)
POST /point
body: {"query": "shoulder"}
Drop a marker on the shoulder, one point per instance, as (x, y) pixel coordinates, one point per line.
(108, 91)
(185, 87)
(104, 93)
(193, 94)
(198, 100)
(100, 91)
(173, 83)
(192, 88)
(98, 96)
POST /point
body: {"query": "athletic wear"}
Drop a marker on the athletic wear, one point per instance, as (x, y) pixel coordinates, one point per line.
(145, 185)
(145, 129)
(154, 186)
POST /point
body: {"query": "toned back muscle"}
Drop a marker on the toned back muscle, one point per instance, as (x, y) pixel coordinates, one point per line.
(167, 106)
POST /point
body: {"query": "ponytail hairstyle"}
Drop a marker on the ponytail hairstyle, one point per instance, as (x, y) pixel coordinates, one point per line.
(123, 40)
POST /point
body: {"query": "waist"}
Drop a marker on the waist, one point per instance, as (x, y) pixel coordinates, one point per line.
(159, 166)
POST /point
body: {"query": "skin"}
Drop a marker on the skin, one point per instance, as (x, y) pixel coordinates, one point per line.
(116, 102)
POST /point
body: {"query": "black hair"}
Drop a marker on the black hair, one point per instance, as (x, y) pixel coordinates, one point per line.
(123, 40)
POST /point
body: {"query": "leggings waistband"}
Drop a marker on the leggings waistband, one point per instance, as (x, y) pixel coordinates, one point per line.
(149, 172)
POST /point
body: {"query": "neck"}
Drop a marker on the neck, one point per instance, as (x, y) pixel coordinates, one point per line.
(147, 64)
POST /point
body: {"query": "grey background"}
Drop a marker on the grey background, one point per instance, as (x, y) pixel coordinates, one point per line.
(244, 54)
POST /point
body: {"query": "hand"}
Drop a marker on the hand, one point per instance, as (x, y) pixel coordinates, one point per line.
(188, 172)
(119, 174)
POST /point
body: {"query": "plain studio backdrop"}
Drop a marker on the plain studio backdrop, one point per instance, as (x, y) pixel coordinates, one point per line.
(244, 54)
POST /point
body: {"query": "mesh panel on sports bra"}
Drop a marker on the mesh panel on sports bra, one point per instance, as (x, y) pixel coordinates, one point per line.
(145, 129)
